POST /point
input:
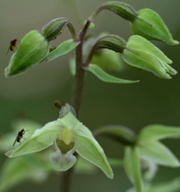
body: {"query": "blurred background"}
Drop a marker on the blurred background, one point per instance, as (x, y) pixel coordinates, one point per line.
(32, 94)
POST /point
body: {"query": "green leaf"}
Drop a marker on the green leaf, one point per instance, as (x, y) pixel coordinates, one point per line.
(150, 25)
(39, 140)
(103, 76)
(118, 133)
(89, 149)
(157, 132)
(158, 153)
(132, 167)
(62, 49)
(15, 171)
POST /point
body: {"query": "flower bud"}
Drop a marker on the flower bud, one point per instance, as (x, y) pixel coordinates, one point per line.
(54, 28)
(150, 25)
(108, 60)
(142, 54)
(32, 50)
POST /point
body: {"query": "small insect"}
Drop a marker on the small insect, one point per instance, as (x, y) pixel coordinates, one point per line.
(12, 45)
(19, 136)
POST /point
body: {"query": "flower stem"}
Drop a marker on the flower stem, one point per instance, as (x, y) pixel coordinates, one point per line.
(76, 98)
(80, 72)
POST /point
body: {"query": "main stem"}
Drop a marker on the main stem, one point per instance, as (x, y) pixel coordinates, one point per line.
(76, 98)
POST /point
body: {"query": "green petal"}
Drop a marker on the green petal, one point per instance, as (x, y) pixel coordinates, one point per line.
(103, 76)
(39, 140)
(62, 49)
(145, 61)
(158, 153)
(136, 42)
(157, 132)
(89, 149)
(132, 167)
(151, 26)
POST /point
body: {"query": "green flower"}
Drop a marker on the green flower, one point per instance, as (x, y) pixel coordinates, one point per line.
(142, 54)
(32, 50)
(150, 25)
(67, 135)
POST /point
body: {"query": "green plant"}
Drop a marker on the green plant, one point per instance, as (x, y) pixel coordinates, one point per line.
(67, 135)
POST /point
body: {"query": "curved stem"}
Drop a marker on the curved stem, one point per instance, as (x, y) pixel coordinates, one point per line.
(72, 31)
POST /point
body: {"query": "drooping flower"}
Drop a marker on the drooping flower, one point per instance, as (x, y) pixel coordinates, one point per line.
(67, 135)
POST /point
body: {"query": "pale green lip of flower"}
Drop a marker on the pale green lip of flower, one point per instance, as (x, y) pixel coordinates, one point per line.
(84, 144)
(32, 50)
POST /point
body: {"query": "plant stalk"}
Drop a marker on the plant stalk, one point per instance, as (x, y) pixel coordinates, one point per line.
(76, 99)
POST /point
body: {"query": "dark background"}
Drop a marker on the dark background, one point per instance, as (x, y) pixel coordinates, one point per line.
(151, 101)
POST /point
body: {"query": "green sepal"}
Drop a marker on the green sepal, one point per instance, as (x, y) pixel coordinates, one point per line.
(156, 152)
(6, 140)
(157, 132)
(39, 140)
(118, 133)
(150, 25)
(62, 49)
(103, 76)
(32, 50)
(140, 53)
(132, 167)
(54, 28)
(89, 149)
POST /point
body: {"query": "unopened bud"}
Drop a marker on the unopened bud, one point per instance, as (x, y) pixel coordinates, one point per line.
(54, 28)
(32, 50)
